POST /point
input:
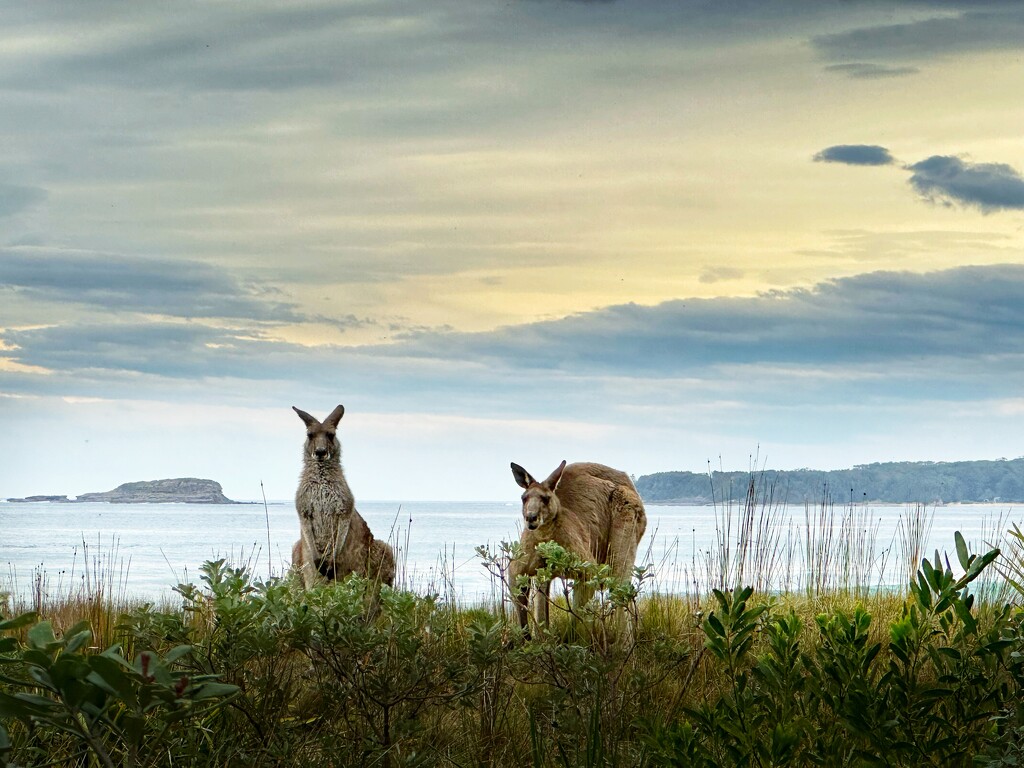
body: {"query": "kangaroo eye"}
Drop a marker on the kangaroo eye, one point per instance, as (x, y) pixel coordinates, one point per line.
(310, 435)
(523, 497)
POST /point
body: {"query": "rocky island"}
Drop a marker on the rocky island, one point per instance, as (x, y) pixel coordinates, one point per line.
(181, 490)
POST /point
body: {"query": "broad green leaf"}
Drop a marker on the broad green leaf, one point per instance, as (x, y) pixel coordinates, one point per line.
(18, 621)
(67, 668)
(924, 594)
(979, 564)
(214, 690)
(722, 599)
(109, 675)
(41, 676)
(114, 654)
(176, 653)
(23, 705)
(76, 640)
(961, 551)
(870, 655)
(41, 635)
(13, 706)
(716, 625)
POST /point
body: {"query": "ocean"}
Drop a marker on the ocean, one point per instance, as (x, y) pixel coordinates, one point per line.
(143, 550)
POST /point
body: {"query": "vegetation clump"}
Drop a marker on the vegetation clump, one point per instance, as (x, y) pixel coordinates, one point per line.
(251, 672)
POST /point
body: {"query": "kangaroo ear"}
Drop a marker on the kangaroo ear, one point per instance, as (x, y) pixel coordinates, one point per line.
(335, 416)
(552, 482)
(310, 421)
(522, 477)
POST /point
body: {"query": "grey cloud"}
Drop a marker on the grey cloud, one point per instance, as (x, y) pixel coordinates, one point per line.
(156, 348)
(345, 322)
(952, 180)
(944, 179)
(14, 199)
(967, 32)
(179, 361)
(265, 47)
(864, 70)
(186, 289)
(876, 318)
(717, 274)
(121, 352)
(855, 154)
(277, 48)
(949, 335)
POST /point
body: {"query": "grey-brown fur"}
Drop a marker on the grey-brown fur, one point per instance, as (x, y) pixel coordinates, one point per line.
(334, 539)
(589, 509)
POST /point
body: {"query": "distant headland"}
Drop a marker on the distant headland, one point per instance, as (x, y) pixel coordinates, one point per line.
(926, 482)
(180, 490)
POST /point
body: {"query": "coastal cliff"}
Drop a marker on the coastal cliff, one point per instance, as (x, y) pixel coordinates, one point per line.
(182, 490)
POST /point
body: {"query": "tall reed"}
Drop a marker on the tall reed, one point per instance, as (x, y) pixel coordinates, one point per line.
(96, 588)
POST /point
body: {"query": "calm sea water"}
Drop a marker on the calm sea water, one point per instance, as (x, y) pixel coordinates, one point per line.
(145, 549)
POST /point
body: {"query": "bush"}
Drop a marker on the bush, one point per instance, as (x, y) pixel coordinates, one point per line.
(351, 673)
(122, 712)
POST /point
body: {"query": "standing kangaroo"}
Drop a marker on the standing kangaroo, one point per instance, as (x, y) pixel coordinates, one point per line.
(335, 540)
(591, 510)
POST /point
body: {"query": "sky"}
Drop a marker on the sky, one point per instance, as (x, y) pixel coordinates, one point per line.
(657, 234)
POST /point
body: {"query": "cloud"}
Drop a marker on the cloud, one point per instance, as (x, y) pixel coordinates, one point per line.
(875, 318)
(944, 179)
(186, 289)
(951, 180)
(883, 336)
(865, 70)
(173, 350)
(14, 199)
(718, 274)
(997, 28)
(855, 154)
(268, 48)
(916, 246)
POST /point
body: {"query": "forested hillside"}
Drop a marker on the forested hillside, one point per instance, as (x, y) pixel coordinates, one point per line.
(896, 482)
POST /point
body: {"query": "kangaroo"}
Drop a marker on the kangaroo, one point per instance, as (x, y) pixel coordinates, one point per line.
(589, 509)
(335, 540)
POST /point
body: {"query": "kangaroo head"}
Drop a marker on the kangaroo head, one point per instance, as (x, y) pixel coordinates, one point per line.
(321, 436)
(540, 503)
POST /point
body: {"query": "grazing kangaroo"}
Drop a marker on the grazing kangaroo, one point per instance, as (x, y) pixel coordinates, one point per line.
(591, 510)
(335, 540)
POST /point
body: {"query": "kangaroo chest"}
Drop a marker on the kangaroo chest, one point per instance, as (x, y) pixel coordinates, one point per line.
(325, 510)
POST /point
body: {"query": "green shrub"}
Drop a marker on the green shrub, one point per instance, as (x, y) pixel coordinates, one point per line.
(128, 712)
(266, 673)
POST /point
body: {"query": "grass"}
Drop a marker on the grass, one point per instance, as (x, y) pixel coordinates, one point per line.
(822, 662)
